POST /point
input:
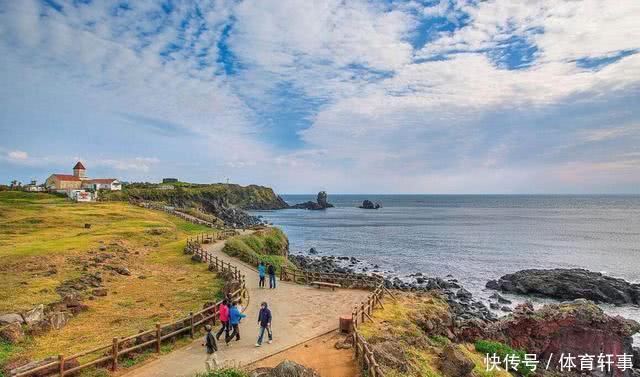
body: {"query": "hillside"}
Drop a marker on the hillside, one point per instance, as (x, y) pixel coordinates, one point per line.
(127, 270)
(207, 196)
(226, 202)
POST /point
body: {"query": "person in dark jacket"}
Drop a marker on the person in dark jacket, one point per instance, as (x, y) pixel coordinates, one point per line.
(271, 270)
(264, 320)
(211, 362)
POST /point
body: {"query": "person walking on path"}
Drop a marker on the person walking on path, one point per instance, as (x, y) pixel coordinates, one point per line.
(234, 320)
(271, 270)
(211, 363)
(264, 320)
(224, 319)
(261, 273)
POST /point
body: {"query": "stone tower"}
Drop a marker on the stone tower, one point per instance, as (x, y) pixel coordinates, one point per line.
(79, 170)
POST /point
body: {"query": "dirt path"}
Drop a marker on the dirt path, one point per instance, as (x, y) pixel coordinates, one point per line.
(319, 354)
(299, 313)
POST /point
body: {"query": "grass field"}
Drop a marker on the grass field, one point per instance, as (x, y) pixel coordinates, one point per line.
(43, 242)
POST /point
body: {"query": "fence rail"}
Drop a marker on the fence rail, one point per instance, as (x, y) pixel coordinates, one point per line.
(110, 354)
(363, 351)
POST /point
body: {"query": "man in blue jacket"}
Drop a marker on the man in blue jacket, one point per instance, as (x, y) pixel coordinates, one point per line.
(234, 320)
(261, 273)
(264, 320)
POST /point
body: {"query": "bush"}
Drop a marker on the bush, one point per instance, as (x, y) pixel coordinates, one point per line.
(268, 246)
(503, 350)
(226, 372)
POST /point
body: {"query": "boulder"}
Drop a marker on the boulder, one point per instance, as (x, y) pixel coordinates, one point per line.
(5, 319)
(368, 204)
(454, 363)
(320, 203)
(285, 369)
(636, 357)
(569, 284)
(579, 327)
(12, 333)
(34, 315)
(100, 292)
(463, 294)
(58, 319)
(387, 353)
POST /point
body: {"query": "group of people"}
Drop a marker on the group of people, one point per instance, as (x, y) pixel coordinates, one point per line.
(230, 315)
(271, 271)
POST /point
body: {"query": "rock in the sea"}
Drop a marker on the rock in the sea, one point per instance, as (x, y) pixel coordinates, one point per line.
(313, 251)
(368, 204)
(454, 363)
(464, 294)
(578, 327)
(569, 284)
(12, 333)
(320, 203)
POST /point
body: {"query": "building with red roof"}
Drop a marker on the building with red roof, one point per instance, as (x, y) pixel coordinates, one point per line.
(79, 181)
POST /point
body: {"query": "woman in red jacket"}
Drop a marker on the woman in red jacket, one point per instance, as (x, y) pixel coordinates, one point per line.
(223, 315)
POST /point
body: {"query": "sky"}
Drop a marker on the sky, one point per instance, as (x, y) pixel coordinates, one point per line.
(349, 97)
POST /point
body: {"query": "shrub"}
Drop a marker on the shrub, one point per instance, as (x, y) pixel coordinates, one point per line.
(502, 350)
(225, 372)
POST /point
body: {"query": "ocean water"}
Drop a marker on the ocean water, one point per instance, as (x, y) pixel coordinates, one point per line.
(474, 238)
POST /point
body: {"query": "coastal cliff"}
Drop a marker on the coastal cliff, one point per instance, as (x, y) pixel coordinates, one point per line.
(210, 202)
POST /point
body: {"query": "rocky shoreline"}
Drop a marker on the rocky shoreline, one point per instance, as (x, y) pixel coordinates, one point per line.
(569, 284)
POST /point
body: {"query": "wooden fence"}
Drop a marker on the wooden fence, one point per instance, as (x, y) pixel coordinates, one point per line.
(363, 351)
(110, 354)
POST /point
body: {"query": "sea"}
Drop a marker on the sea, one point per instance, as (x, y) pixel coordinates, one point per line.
(474, 238)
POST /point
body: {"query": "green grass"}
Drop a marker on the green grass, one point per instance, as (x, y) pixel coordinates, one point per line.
(40, 232)
(268, 245)
(502, 350)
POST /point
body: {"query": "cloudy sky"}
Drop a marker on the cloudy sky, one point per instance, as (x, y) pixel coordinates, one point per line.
(346, 96)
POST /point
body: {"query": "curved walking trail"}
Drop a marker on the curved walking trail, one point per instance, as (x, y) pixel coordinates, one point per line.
(299, 313)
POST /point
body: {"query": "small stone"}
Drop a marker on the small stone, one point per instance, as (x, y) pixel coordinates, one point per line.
(10, 318)
(100, 292)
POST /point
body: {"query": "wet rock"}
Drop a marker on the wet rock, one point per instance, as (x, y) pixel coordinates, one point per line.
(494, 306)
(463, 294)
(454, 363)
(506, 309)
(6, 319)
(313, 251)
(569, 284)
(34, 315)
(12, 333)
(368, 204)
(320, 203)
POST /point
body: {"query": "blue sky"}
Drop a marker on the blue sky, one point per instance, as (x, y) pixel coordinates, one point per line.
(359, 96)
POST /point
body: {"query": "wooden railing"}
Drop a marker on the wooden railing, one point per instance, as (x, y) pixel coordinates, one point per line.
(361, 347)
(110, 354)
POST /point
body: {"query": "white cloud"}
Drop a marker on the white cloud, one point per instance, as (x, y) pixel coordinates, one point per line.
(17, 155)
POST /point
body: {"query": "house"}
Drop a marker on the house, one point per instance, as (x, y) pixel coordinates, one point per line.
(70, 184)
(111, 184)
(33, 187)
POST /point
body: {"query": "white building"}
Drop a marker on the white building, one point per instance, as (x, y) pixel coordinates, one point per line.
(102, 184)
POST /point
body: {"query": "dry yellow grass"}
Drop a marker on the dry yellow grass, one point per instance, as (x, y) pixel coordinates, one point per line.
(397, 320)
(41, 233)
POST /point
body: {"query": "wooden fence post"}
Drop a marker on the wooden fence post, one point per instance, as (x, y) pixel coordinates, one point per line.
(158, 337)
(61, 361)
(362, 312)
(191, 320)
(114, 354)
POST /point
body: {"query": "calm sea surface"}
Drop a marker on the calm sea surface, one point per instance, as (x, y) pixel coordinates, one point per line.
(474, 237)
